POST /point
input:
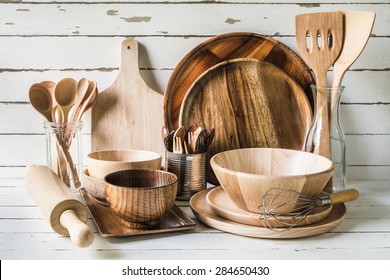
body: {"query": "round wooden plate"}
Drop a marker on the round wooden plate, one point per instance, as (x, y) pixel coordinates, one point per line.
(223, 206)
(203, 212)
(226, 47)
(251, 104)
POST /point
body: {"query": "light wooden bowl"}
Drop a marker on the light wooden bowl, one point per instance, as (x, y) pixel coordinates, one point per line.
(247, 174)
(94, 186)
(141, 196)
(104, 162)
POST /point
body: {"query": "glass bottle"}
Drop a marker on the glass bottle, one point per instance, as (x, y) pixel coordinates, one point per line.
(64, 151)
(337, 141)
(319, 141)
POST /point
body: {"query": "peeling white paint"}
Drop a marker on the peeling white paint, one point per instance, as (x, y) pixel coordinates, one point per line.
(112, 12)
(232, 20)
(137, 19)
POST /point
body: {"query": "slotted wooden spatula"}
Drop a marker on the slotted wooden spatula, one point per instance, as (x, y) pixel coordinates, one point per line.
(319, 39)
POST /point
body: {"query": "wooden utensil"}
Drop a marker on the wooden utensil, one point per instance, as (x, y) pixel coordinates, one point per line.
(203, 213)
(250, 103)
(358, 26)
(220, 203)
(226, 47)
(41, 100)
(66, 215)
(65, 94)
(319, 38)
(87, 101)
(82, 87)
(129, 114)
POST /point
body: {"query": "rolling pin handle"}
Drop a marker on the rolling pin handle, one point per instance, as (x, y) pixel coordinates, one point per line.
(79, 232)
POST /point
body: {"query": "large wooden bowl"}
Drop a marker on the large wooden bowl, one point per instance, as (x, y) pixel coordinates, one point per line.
(141, 196)
(247, 174)
(101, 163)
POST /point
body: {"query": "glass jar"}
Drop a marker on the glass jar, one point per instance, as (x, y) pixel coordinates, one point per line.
(64, 151)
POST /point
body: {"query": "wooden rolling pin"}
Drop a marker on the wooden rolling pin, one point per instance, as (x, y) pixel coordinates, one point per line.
(65, 213)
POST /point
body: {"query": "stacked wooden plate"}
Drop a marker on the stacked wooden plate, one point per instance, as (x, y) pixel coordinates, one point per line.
(214, 208)
(255, 92)
(252, 89)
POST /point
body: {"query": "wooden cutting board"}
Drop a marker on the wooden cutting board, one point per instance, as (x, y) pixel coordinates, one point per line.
(251, 104)
(226, 47)
(129, 114)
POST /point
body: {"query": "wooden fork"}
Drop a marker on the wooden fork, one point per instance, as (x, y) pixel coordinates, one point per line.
(177, 145)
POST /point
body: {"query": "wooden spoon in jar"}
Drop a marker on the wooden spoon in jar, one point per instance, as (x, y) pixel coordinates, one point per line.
(41, 100)
(82, 88)
(65, 95)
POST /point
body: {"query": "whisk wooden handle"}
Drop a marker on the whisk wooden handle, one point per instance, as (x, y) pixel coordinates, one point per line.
(344, 196)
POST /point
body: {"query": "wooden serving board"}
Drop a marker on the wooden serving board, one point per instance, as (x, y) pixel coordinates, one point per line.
(226, 47)
(203, 212)
(251, 104)
(111, 225)
(223, 206)
(129, 114)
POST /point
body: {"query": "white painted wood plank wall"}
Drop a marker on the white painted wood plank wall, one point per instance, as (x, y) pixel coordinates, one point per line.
(50, 40)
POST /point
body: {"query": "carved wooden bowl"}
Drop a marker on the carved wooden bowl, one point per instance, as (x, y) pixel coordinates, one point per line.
(141, 196)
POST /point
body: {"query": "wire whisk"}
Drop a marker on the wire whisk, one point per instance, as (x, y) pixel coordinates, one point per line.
(283, 208)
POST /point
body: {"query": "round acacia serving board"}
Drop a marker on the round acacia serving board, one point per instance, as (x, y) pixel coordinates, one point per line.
(251, 104)
(226, 47)
(203, 212)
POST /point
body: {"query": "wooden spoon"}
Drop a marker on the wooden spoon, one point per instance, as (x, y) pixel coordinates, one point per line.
(88, 100)
(94, 96)
(358, 27)
(65, 94)
(82, 91)
(325, 34)
(41, 100)
(179, 137)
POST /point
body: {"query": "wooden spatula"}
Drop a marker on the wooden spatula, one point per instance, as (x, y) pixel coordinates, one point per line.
(319, 39)
(358, 27)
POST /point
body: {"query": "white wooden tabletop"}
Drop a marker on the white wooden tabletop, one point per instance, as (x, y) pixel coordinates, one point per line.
(365, 234)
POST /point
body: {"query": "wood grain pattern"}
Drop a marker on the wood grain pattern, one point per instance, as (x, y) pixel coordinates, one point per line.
(141, 196)
(226, 47)
(220, 203)
(247, 174)
(204, 213)
(250, 103)
(129, 114)
(111, 225)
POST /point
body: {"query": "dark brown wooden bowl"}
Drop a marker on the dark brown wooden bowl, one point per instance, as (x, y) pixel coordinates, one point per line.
(141, 196)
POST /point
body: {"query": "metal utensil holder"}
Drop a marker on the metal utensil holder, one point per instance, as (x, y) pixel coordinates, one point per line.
(191, 172)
